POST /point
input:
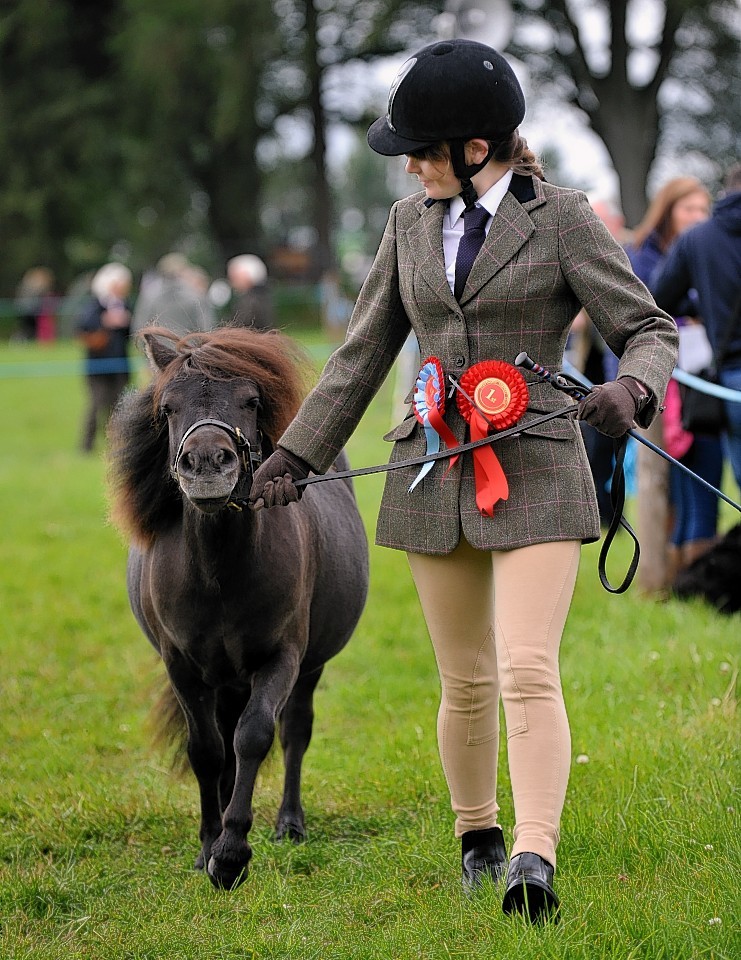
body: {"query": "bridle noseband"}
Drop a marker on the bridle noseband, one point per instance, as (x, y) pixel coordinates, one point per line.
(250, 459)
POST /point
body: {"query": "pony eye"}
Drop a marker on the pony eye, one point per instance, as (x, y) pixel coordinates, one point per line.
(251, 403)
(165, 410)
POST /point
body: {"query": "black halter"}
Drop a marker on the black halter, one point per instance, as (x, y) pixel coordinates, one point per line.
(250, 459)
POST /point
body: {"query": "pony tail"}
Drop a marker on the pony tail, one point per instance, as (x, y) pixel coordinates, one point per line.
(515, 152)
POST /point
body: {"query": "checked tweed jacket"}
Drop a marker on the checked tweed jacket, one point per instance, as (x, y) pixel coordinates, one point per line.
(546, 255)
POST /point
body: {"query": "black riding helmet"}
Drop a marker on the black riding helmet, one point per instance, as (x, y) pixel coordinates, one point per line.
(453, 91)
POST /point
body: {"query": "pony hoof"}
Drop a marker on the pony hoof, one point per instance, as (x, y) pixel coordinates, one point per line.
(291, 831)
(226, 876)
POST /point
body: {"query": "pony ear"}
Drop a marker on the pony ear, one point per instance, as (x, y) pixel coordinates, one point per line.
(158, 353)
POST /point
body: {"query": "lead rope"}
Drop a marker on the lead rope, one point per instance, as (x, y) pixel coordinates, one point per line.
(617, 499)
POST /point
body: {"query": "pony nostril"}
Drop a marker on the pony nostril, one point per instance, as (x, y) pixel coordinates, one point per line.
(224, 458)
(187, 464)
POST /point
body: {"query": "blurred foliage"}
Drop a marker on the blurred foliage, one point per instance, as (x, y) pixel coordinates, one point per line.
(676, 92)
(132, 127)
(128, 128)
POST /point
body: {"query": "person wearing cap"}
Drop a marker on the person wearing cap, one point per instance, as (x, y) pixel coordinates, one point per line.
(495, 583)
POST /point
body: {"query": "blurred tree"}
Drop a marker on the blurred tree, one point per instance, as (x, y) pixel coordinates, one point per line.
(192, 73)
(318, 37)
(58, 161)
(680, 85)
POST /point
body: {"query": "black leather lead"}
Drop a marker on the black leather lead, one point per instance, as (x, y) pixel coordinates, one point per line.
(617, 499)
(441, 455)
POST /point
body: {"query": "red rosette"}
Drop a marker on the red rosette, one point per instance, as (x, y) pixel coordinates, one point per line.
(499, 392)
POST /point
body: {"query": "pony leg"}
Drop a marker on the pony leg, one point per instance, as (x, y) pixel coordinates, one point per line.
(271, 686)
(229, 707)
(296, 723)
(205, 751)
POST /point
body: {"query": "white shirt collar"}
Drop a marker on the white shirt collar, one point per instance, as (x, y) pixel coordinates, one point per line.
(490, 200)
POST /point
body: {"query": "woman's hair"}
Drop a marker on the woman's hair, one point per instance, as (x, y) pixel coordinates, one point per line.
(658, 217)
(513, 151)
(107, 277)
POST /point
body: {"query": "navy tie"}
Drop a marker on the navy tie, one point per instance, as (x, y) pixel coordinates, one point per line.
(473, 237)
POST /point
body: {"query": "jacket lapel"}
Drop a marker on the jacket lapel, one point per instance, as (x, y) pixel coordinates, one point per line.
(426, 239)
(510, 229)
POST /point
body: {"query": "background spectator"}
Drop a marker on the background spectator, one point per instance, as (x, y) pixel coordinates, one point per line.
(175, 297)
(34, 305)
(680, 204)
(104, 328)
(251, 304)
(707, 259)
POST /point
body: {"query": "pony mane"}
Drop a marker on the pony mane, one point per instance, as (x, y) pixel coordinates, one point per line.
(145, 500)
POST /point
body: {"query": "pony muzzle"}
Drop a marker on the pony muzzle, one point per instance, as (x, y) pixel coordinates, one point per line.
(214, 465)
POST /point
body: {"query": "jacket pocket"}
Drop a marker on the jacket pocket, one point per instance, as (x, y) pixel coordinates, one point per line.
(560, 428)
(556, 429)
(402, 430)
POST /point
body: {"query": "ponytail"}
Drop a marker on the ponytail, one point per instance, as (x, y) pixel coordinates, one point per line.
(515, 152)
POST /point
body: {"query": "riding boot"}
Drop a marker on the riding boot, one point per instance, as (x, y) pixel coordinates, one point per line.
(483, 854)
(530, 888)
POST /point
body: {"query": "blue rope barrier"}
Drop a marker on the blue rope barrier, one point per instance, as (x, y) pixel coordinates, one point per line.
(704, 386)
(65, 368)
(681, 376)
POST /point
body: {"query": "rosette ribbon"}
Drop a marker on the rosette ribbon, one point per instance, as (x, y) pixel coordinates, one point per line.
(429, 407)
(500, 397)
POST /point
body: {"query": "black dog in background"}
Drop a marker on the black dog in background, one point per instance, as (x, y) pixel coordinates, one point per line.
(716, 575)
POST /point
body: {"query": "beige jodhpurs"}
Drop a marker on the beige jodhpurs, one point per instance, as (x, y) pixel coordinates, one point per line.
(495, 620)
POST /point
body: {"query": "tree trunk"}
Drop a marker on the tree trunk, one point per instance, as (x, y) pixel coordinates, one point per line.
(653, 514)
(627, 122)
(232, 182)
(323, 259)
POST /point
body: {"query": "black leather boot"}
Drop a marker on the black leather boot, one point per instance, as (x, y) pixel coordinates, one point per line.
(483, 855)
(530, 888)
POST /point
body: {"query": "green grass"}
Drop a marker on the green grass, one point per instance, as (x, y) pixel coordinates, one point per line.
(97, 839)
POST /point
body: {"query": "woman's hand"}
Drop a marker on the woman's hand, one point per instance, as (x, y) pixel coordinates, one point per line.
(273, 482)
(612, 407)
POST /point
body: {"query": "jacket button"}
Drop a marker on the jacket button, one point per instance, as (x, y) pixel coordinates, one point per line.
(458, 361)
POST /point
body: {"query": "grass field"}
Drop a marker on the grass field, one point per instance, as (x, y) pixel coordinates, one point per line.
(97, 839)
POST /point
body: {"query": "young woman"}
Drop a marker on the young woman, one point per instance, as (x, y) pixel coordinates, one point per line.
(495, 579)
(680, 204)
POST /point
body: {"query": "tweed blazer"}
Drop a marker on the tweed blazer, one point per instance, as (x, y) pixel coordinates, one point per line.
(547, 255)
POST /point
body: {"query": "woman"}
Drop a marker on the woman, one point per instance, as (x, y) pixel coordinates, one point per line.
(680, 204)
(454, 110)
(104, 330)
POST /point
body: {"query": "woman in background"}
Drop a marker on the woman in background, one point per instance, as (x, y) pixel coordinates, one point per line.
(104, 329)
(679, 205)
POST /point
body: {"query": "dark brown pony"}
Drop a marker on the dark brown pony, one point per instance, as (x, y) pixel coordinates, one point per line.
(244, 608)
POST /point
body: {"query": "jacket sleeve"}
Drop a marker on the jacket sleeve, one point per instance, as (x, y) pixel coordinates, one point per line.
(597, 269)
(356, 370)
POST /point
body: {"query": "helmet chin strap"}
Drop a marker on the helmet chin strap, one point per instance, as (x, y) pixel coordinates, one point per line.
(465, 171)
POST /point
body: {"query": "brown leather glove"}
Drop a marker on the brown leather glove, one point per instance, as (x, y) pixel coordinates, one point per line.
(612, 407)
(273, 482)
